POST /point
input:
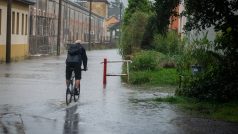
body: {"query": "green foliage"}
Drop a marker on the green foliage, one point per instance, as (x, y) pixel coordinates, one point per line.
(219, 83)
(160, 77)
(206, 13)
(164, 77)
(132, 33)
(149, 33)
(145, 60)
(159, 21)
(214, 84)
(136, 6)
(138, 78)
(201, 52)
(164, 10)
(167, 61)
(169, 44)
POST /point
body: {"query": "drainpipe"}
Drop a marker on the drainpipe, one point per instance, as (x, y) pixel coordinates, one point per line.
(8, 38)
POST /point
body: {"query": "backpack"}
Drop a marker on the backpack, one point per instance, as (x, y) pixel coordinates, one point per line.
(74, 53)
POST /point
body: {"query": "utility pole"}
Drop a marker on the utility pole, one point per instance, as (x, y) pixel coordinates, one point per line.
(9, 31)
(89, 28)
(59, 28)
(120, 22)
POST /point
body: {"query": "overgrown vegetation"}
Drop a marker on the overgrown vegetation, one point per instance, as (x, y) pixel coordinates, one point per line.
(152, 68)
(220, 80)
(147, 29)
(132, 33)
(161, 57)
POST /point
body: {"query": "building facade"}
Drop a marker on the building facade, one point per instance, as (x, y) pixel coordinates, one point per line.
(74, 25)
(19, 29)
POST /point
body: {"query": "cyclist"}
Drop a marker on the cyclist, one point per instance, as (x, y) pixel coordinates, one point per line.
(75, 57)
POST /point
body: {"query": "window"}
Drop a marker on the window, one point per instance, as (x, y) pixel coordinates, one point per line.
(17, 32)
(0, 21)
(22, 24)
(13, 22)
(26, 26)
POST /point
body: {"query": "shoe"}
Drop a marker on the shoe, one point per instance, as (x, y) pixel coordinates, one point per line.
(76, 92)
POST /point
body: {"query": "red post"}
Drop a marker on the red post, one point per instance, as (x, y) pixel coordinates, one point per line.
(105, 71)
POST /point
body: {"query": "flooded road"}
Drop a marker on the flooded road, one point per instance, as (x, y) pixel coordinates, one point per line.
(32, 101)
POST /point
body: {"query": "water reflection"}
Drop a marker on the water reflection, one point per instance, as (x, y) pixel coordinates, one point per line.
(71, 120)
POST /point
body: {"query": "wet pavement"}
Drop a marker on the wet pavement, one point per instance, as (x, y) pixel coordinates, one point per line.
(32, 101)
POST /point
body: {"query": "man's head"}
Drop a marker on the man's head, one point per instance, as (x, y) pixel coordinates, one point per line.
(78, 42)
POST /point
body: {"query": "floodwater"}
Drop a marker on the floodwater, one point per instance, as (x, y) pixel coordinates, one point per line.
(32, 101)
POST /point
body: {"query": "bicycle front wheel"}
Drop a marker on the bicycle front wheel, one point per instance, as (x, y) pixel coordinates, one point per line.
(68, 96)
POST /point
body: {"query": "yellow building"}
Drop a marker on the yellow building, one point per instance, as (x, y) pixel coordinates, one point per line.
(100, 7)
(19, 29)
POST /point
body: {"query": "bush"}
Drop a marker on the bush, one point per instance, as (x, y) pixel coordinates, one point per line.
(167, 61)
(132, 34)
(217, 82)
(169, 44)
(200, 52)
(145, 60)
(213, 84)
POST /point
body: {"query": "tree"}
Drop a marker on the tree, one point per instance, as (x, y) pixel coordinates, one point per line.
(221, 81)
(164, 10)
(158, 23)
(222, 14)
(135, 6)
(132, 33)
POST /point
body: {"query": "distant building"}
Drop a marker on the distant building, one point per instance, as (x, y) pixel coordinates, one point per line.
(113, 25)
(174, 21)
(192, 34)
(19, 29)
(99, 7)
(74, 25)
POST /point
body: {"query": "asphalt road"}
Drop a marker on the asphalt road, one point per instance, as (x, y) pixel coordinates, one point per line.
(32, 101)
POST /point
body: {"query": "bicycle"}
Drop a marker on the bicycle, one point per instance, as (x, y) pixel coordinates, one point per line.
(70, 91)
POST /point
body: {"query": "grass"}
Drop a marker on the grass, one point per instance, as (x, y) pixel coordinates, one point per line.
(155, 78)
(212, 110)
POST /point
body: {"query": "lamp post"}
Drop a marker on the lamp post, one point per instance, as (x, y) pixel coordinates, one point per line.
(120, 22)
(89, 28)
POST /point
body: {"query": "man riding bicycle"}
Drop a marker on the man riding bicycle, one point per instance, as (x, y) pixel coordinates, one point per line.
(76, 55)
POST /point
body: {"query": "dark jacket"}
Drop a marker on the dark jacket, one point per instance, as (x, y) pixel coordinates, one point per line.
(77, 54)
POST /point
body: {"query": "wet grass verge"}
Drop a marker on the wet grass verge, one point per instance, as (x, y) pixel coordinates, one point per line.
(212, 110)
(159, 77)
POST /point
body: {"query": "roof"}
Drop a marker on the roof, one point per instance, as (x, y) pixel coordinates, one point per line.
(114, 26)
(29, 2)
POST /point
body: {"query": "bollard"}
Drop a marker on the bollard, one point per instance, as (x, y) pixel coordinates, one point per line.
(105, 71)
